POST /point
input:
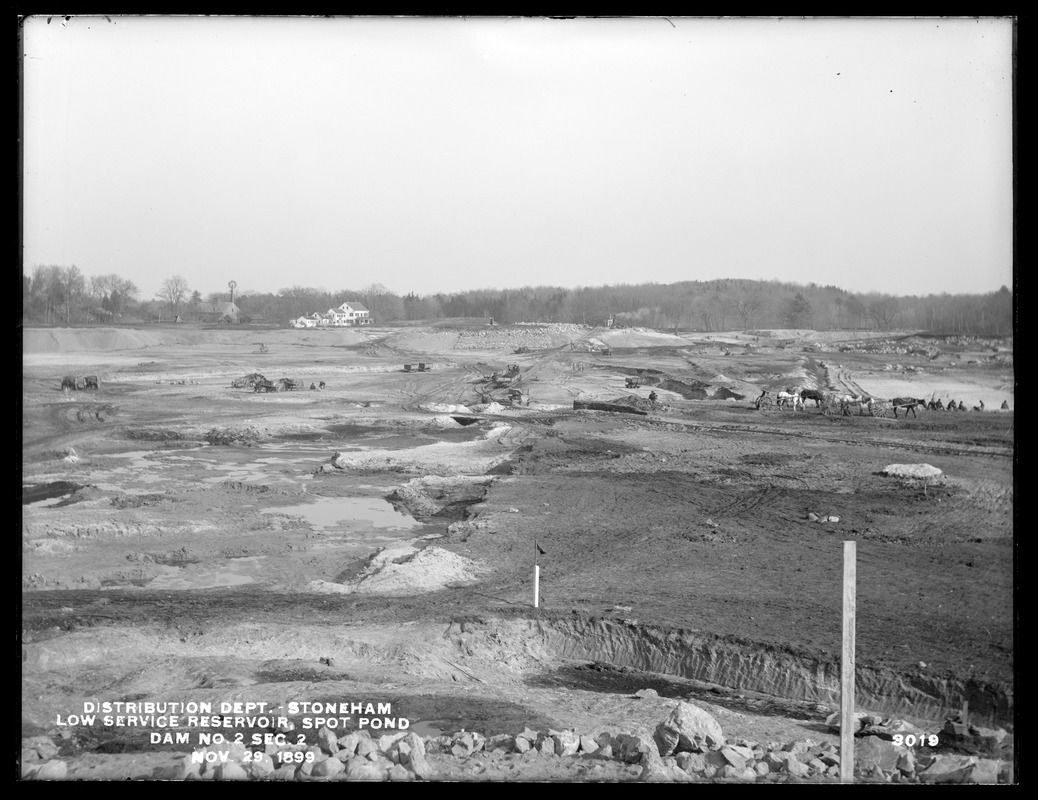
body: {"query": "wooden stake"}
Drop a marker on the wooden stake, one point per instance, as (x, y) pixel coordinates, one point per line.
(848, 725)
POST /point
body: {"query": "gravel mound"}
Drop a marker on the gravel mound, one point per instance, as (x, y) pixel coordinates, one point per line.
(405, 570)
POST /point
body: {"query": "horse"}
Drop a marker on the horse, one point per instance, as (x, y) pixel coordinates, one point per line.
(790, 398)
(812, 394)
(908, 404)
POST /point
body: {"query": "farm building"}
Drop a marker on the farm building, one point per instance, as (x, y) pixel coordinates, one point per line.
(219, 312)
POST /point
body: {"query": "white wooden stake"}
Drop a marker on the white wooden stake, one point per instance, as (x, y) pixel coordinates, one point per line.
(536, 585)
(848, 724)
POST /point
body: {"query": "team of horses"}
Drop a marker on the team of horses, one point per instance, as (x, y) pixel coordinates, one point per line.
(798, 400)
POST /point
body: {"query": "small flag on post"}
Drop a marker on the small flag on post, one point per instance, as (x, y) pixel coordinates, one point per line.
(538, 550)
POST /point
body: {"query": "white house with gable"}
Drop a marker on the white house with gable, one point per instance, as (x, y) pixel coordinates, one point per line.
(347, 314)
(350, 314)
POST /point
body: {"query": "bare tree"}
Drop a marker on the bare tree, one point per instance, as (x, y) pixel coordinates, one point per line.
(172, 292)
(72, 286)
(883, 312)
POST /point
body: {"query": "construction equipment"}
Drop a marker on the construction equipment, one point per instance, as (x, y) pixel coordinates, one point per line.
(632, 383)
(247, 381)
(519, 397)
(72, 383)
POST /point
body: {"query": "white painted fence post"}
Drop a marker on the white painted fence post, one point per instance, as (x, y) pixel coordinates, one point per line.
(848, 725)
(536, 585)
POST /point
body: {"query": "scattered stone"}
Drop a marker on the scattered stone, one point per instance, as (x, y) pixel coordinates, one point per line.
(795, 767)
(363, 770)
(664, 773)
(566, 743)
(53, 770)
(398, 773)
(692, 763)
(327, 741)
(985, 771)
(647, 694)
(588, 745)
(286, 772)
(351, 741)
(734, 759)
(230, 771)
(732, 773)
(420, 766)
(947, 769)
(260, 766)
(633, 746)
(501, 743)
(40, 746)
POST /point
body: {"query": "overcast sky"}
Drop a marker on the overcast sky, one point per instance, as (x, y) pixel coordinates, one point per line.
(449, 154)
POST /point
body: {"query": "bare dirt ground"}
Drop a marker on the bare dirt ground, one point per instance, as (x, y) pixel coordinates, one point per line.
(183, 540)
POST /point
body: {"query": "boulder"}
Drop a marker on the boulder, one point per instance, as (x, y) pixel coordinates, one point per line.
(871, 750)
(915, 471)
(688, 728)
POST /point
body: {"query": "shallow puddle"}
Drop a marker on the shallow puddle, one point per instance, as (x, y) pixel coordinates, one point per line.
(233, 572)
(337, 513)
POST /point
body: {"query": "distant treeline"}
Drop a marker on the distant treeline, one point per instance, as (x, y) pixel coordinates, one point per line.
(61, 295)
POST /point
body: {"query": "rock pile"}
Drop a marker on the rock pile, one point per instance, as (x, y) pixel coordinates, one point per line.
(687, 746)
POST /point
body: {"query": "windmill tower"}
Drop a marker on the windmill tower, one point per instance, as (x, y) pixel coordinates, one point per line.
(232, 285)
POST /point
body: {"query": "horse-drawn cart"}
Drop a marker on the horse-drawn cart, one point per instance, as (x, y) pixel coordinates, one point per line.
(766, 402)
(882, 408)
(831, 405)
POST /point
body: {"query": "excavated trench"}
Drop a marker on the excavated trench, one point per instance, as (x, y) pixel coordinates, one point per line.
(749, 667)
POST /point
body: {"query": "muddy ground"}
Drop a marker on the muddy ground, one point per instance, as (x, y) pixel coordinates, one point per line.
(186, 540)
